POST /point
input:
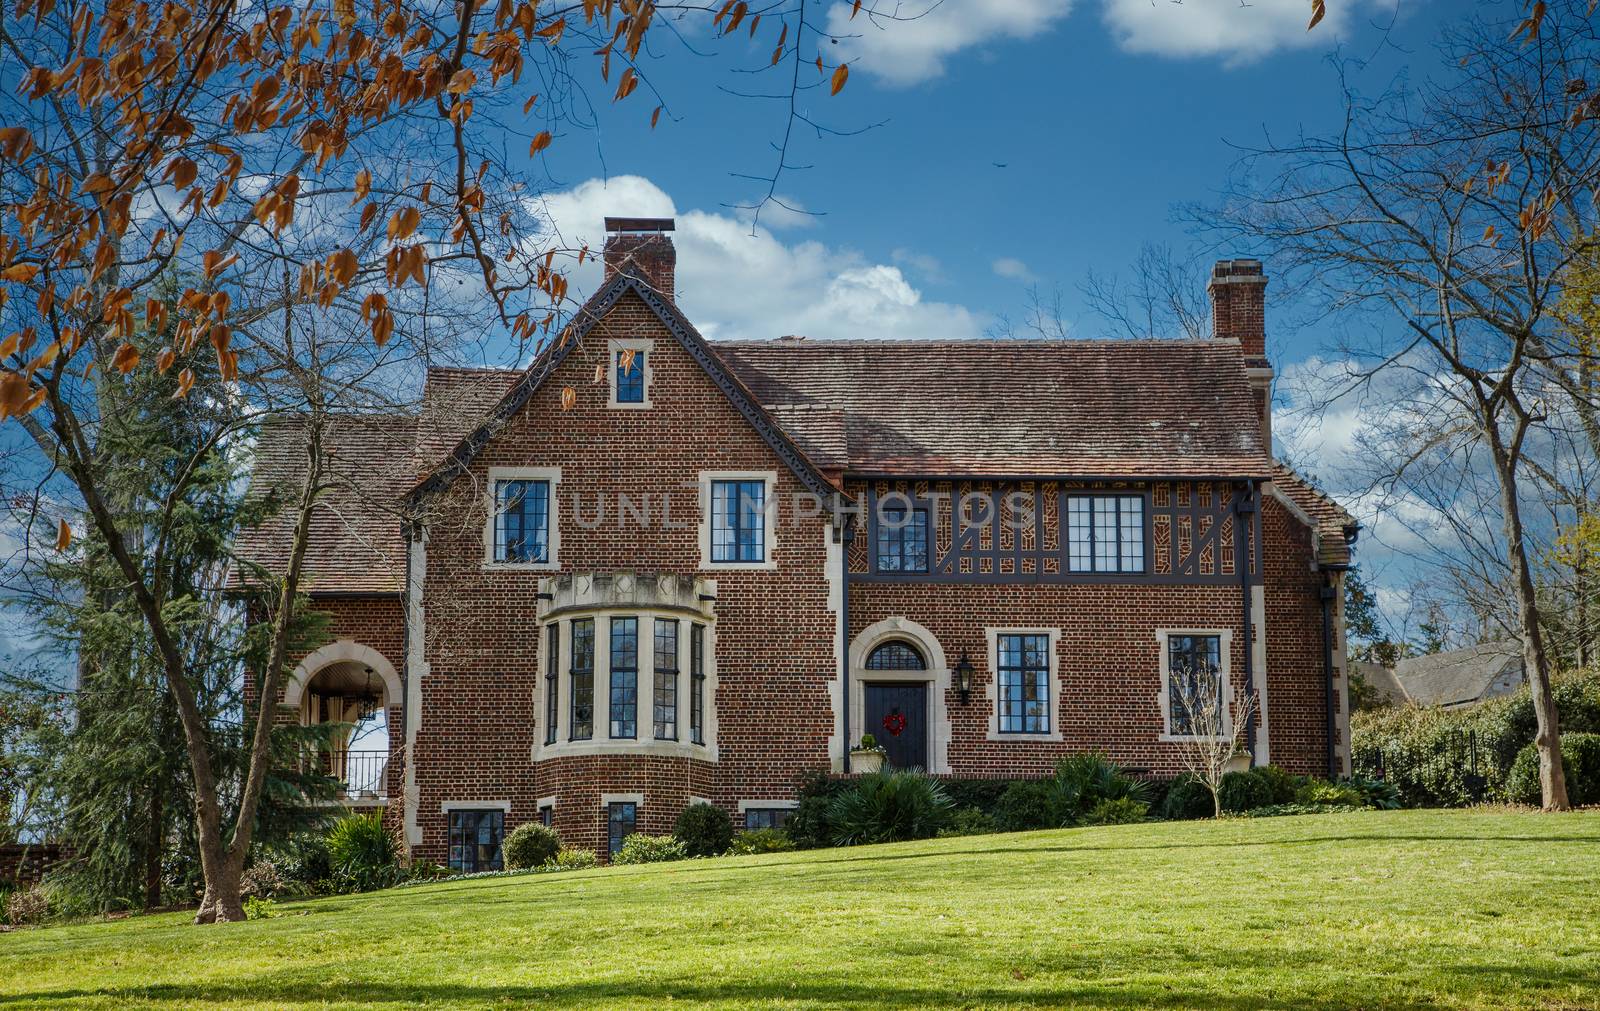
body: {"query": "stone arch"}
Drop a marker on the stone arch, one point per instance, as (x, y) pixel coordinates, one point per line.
(342, 651)
(937, 674)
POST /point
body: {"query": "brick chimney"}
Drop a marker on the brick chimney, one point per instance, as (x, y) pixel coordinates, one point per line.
(641, 248)
(1238, 291)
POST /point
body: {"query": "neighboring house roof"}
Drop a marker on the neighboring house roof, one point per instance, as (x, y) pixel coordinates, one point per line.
(1459, 676)
(357, 544)
(1089, 408)
(1326, 517)
(460, 457)
(1381, 680)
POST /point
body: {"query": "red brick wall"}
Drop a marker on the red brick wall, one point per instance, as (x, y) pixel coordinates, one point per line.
(775, 636)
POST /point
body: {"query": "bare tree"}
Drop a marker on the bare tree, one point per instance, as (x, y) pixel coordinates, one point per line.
(1209, 722)
(1438, 221)
(1162, 295)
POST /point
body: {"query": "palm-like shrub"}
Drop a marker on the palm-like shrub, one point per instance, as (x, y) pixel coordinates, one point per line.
(530, 845)
(704, 829)
(1087, 778)
(363, 853)
(1031, 804)
(889, 807)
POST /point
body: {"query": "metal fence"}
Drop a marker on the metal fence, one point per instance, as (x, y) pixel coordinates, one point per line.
(1446, 772)
(360, 773)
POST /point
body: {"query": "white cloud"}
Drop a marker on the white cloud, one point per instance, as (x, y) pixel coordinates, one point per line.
(1010, 266)
(907, 43)
(734, 284)
(1237, 32)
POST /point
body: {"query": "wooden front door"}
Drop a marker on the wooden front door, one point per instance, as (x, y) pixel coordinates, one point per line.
(897, 715)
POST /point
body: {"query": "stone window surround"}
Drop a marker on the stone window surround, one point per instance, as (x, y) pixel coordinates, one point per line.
(1164, 697)
(552, 562)
(645, 743)
(504, 806)
(936, 676)
(769, 524)
(764, 805)
(1056, 680)
(647, 349)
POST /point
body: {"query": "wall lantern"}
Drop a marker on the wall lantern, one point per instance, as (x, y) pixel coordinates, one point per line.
(963, 674)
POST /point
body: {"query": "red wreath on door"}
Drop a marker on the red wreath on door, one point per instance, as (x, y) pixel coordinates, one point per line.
(894, 723)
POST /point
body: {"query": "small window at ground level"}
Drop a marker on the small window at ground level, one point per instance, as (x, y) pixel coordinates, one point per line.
(766, 817)
(547, 815)
(622, 820)
(475, 840)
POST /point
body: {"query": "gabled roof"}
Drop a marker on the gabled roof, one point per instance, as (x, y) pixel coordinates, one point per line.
(1381, 680)
(1328, 519)
(461, 455)
(1458, 676)
(356, 545)
(1089, 408)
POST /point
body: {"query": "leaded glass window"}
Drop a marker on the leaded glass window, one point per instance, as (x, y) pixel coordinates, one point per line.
(1024, 682)
(1194, 684)
(522, 521)
(666, 681)
(582, 679)
(624, 677)
(738, 521)
(622, 820)
(902, 543)
(896, 656)
(552, 678)
(1105, 533)
(630, 377)
(547, 815)
(697, 684)
(474, 838)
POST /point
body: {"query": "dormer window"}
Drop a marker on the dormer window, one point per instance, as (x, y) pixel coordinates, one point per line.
(630, 372)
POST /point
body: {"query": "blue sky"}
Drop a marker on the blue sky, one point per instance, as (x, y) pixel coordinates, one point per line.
(1105, 113)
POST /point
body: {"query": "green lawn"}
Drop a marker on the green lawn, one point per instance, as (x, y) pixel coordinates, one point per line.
(1391, 909)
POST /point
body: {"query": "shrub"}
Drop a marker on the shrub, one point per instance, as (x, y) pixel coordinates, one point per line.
(427, 870)
(1187, 797)
(1084, 780)
(1119, 811)
(649, 849)
(1321, 793)
(258, 908)
(1276, 810)
(1580, 759)
(1377, 793)
(704, 829)
(968, 821)
(306, 865)
(868, 743)
(363, 853)
(1281, 785)
(982, 794)
(263, 879)
(1243, 791)
(889, 807)
(530, 845)
(574, 859)
(808, 824)
(760, 840)
(27, 906)
(1030, 804)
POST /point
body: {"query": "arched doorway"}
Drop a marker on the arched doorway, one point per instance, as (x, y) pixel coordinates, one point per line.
(353, 688)
(898, 679)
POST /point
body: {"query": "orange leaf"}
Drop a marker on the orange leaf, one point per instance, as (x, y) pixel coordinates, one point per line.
(63, 535)
(855, 9)
(21, 273)
(461, 82)
(126, 359)
(569, 398)
(541, 140)
(185, 384)
(626, 85)
(655, 117)
(1319, 10)
(839, 77)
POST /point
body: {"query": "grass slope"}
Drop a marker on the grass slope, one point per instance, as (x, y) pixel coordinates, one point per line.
(1394, 909)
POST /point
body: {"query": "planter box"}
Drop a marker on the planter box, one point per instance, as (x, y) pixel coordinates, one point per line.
(870, 760)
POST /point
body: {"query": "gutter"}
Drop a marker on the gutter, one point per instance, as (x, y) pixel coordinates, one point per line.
(846, 535)
(1328, 593)
(1249, 506)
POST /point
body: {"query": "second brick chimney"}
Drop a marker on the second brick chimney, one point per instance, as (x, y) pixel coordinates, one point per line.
(1238, 291)
(641, 247)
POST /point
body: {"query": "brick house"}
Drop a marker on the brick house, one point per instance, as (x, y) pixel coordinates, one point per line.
(651, 569)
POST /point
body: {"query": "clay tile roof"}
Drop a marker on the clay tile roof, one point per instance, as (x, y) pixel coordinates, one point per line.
(356, 544)
(454, 401)
(1003, 408)
(1329, 518)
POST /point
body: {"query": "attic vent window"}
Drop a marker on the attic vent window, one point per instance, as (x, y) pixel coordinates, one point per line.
(630, 372)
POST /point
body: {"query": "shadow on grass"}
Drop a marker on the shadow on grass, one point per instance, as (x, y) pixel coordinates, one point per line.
(886, 994)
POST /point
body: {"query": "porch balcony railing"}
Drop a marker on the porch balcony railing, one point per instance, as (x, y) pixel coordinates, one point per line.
(361, 774)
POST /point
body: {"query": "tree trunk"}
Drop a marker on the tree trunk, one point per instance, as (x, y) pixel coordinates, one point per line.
(1552, 777)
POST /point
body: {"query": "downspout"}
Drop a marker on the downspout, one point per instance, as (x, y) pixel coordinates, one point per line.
(846, 535)
(1328, 593)
(1249, 546)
